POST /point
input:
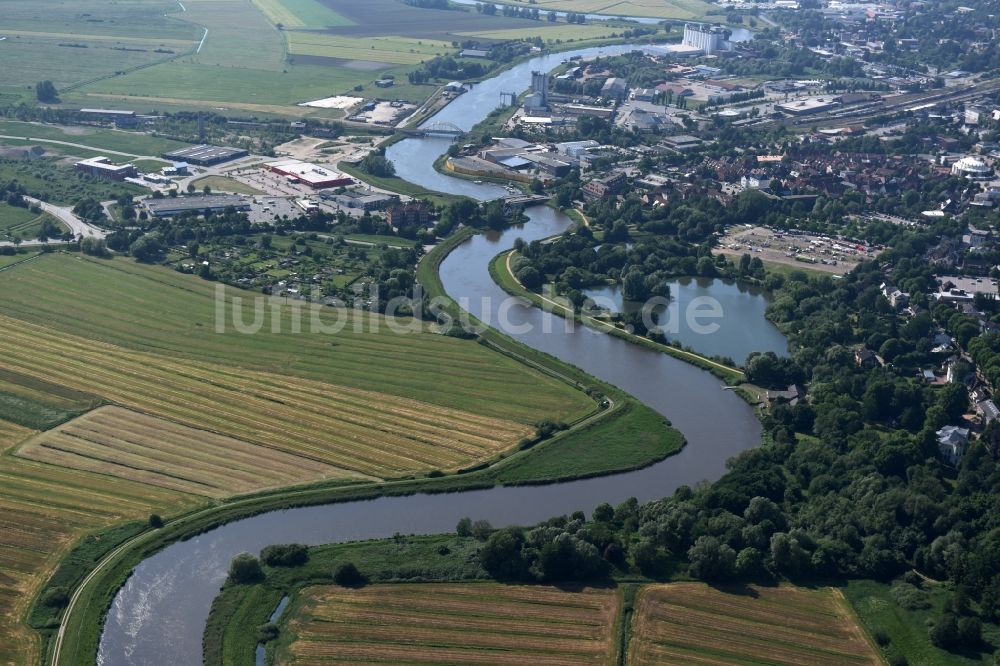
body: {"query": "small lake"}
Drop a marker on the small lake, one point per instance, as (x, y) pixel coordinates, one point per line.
(712, 316)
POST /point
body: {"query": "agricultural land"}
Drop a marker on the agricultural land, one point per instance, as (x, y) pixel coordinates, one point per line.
(662, 9)
(118, 400)
(694, 623)
(264, 56)
(484, 623)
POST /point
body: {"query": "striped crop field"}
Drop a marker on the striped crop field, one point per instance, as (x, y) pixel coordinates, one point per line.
(300, 14)
(138, 447)
(152, 309)
(360, 432)
(692, 623)
(43, 510)
(462, 623)
(12, 434)
(392, 50)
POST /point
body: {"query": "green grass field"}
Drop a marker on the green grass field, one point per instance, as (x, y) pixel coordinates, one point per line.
(393, 50)
(665, 9)
(94, 138)
(16, 222)
(223, 184)
(907, 630)
(152, 309)
(301, 14)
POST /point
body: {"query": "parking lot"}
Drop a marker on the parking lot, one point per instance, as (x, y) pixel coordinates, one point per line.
(796, 248)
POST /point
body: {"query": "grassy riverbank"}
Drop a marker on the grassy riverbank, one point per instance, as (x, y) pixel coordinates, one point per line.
(500, 271)
(624, 434)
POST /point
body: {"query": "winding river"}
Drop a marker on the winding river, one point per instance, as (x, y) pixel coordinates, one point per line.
(159, 614)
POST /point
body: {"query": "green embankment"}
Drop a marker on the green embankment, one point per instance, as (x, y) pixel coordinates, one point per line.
(231, 631)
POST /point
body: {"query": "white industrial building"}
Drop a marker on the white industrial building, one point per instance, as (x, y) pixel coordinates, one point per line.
(538, 98)
(708, 38)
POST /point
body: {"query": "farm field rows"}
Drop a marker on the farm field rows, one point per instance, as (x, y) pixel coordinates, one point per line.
(361, 432)
(138, 447)
(484, 623)
(152, 309)
(300, 14)
(44, 509)
(692, 623)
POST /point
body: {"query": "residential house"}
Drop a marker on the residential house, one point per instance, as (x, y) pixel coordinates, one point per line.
(988, 410)
(952, 442)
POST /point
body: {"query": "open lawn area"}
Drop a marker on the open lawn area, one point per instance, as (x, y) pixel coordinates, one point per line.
(693, 623)
(223, 184)
(466, 623)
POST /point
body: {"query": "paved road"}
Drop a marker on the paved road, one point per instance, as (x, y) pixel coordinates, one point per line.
(66, 216)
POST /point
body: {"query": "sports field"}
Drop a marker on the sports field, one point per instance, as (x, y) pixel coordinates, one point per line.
(692, 623)
(471, 623)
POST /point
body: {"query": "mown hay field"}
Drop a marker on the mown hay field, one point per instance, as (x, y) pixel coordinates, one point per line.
(463, 623)
(43, 510)
(129, 445)
(394, 50)
(360, 432)
(300, 14)
(692, 623)
(153, 309)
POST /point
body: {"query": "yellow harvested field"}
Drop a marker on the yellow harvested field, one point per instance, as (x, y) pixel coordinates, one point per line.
(43, 510)
(692, 623)
(277, 13)
(461, 623)
(397, 50)
(12, 434)
(139, 447)
(358, 431)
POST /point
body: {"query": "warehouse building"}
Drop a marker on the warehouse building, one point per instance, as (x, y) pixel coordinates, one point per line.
(102, 167)
(804, 107)
(214, 203)
(310, 174)
(205, 155)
